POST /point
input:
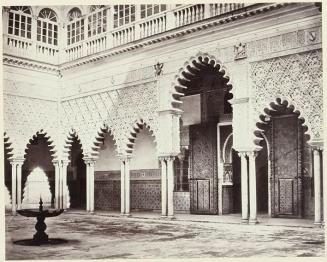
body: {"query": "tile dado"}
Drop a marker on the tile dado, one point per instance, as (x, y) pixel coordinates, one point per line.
(141, 174)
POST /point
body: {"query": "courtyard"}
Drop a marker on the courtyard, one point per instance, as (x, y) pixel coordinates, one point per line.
(107, 236)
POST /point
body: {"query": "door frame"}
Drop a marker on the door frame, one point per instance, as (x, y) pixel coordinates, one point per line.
(220, 167)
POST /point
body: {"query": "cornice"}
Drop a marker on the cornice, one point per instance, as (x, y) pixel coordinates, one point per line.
(177, 32)
(211, 22)
(29, 64)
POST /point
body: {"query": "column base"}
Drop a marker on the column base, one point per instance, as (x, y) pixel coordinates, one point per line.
(245, 221)
(318, 224)
(253, 221)
(168, 217)
(125, 215)
(14, 213)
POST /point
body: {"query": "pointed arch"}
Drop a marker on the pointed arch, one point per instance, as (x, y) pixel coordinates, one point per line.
(69, 137)
(132, 134)
(263, 119)
(190, 69)
(98, 138)
(53, 148)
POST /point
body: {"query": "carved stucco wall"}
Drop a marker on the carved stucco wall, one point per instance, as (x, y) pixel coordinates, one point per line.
(118, 109)
(24, 117)
(296, 78)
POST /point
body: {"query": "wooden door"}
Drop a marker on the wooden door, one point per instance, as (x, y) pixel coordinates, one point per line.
(286, 166)
(203, 177)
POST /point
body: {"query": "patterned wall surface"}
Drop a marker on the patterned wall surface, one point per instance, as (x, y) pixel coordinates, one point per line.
(119, 109)
(182, 201)
(24, 117)
(145, 189)
(295, 78)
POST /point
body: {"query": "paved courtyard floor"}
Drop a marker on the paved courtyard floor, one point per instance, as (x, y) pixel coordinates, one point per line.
(103, 236)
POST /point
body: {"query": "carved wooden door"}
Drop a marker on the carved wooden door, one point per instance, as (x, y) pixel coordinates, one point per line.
(203, 178)
(286, 166)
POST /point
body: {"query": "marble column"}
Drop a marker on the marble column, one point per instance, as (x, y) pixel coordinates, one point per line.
(91, 186)
(253, 188)
(13, 186)
(57, 184)
(19, 184)
(87, 186)
(244, 187)
(64, 165)
(122, 187)
(170, 186)
(163, 186)
(317, 185)
(127, 186)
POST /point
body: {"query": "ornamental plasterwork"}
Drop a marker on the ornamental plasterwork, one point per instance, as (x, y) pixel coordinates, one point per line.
(295, 78)
(118, 109)
(24, 117)
(282, 42)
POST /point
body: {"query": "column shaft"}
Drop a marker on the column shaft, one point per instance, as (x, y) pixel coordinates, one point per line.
(56, 185)
(19, 185)
(91, 185)
(127, 187)
(170, 187)
(87, 187)
(122, 187)
(13, 187)
(253, 189)
(64, 185)
(317, 185)
(244, 187)
(163, 187)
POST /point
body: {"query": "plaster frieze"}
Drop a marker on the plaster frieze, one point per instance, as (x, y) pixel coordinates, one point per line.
(25, 117)
(29, 64)
(295, 78)
(120, 110)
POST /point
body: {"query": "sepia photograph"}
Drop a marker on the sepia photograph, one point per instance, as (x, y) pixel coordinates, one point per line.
(155, 130)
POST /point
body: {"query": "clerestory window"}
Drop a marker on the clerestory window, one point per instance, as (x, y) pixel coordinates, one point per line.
(20, 21)
(123, 14)
(148, 10)
(75, 26)
(47, 27)
(97, 20)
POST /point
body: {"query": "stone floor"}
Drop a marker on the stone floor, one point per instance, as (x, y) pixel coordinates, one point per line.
(104, 235)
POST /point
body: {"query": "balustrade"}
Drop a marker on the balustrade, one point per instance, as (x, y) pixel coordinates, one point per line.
(153, 25)
(123, 35)
(93, 34)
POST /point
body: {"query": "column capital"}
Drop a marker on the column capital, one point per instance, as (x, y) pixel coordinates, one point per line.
(89, 161)
(242, 154)
(167, 158)
(125, 158)
(17, 161)
(252, 154)
(317, 148)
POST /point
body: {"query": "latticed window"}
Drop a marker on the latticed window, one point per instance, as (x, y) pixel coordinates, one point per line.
(97, 20)
(148, 10)
(20, 21)
(123, 14)
(47, 27)
(75, 28)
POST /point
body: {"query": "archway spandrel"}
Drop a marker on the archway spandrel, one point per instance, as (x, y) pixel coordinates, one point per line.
(296, 79)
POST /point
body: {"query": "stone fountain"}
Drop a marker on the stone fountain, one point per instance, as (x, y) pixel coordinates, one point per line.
(40, 237)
